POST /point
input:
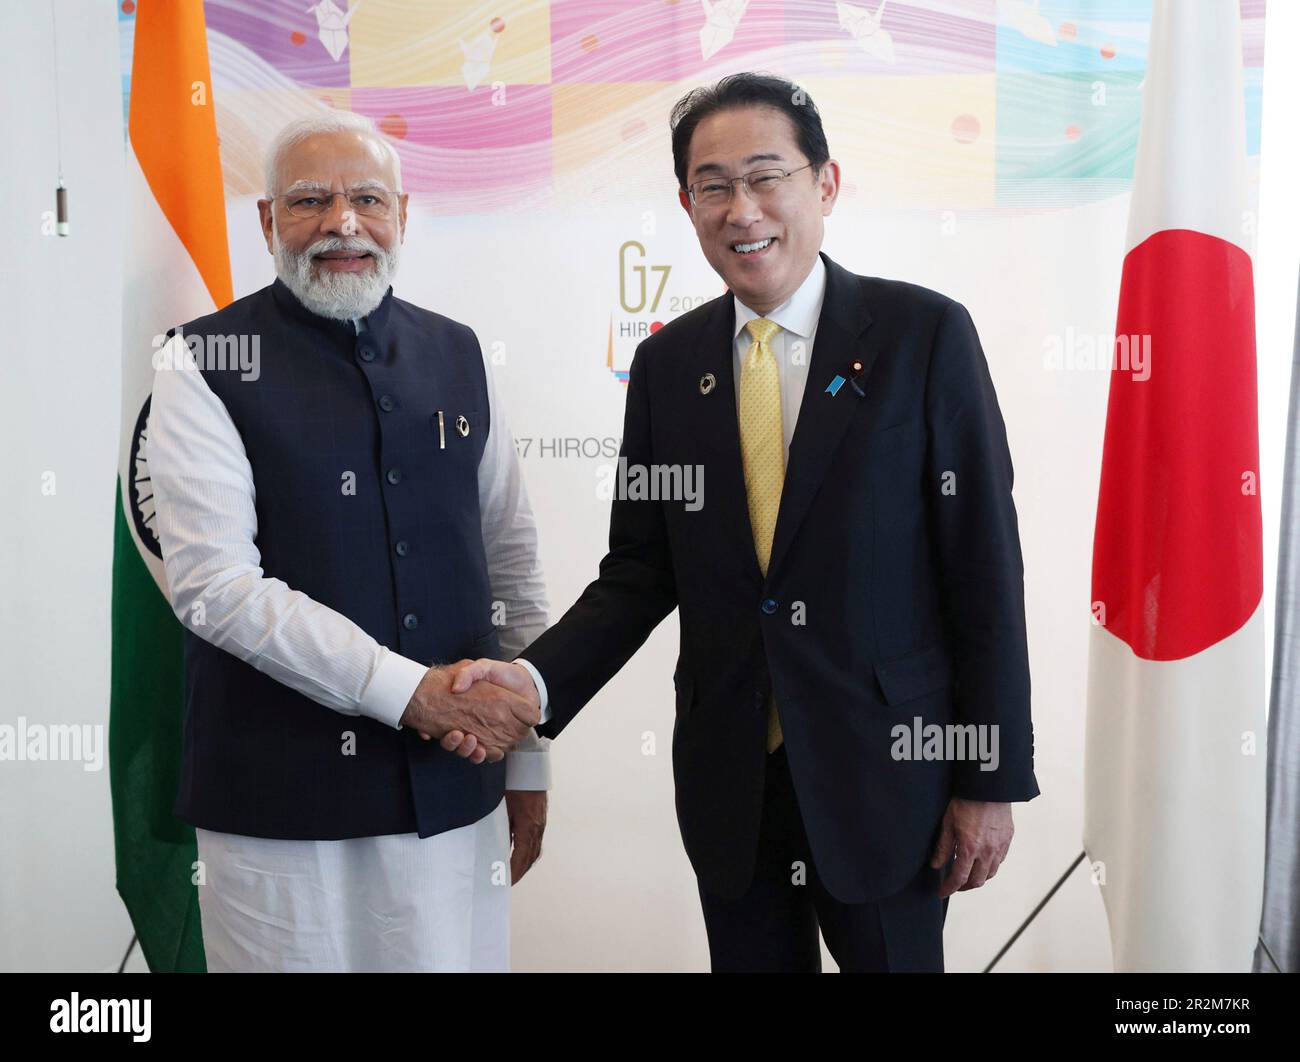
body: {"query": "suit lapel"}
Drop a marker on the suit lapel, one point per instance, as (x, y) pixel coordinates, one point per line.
(823, 418)
(718, 428)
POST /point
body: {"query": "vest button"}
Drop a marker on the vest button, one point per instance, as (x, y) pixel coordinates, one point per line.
(394, 476)
(386, 403)
(402, 548)
(366, 354)
(410, 621)
(769, 605)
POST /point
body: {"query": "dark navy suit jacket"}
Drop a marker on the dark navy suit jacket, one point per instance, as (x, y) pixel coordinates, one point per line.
(894, 592)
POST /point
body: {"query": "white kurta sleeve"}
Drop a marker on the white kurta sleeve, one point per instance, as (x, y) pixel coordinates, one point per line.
(207, 525)
(518, 588)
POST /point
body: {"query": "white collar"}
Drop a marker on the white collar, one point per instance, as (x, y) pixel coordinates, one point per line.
(799, 313)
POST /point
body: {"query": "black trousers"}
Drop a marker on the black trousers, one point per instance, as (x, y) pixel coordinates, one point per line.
(773, 927)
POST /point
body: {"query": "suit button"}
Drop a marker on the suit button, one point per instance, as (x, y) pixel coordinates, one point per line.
(386, 403)
(402, 548)
(410, 621)
(394, 476)
(769, 605)
(366, 354)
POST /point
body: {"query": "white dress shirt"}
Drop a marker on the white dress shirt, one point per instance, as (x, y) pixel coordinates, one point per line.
(372, 903)
(792, 347)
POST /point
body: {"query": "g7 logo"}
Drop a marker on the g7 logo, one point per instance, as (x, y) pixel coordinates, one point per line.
(640, 271)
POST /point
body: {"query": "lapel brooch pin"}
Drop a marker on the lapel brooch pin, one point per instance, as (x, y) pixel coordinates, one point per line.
(854, 371)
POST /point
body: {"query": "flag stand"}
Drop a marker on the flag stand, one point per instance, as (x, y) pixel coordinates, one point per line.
(1033, 914)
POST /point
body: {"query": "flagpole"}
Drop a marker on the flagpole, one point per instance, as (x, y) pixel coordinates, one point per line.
(1034, 913)
(129, 948)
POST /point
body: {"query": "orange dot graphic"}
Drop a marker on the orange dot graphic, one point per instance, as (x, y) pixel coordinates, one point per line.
(655, 326)
(297, 39)
(589, 43)
(393, 125)
(1108, 51)
(498, 25)
(965, 129)
(127, 6)
(1073, 132)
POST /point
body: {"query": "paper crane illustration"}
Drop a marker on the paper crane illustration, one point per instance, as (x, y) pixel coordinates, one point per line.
(332, 26)
(1025, 17)
(864, 27)
(721, 17)
(478, 58)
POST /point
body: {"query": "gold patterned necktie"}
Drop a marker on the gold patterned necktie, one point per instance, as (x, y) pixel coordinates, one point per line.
(762, 448)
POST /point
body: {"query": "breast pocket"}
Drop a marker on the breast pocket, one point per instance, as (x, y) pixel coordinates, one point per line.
(895, 437)
(458, 439)
(896, 458)
(457, 429)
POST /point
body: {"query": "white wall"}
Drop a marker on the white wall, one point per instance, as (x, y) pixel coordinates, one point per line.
(61, 300)
(614, 890)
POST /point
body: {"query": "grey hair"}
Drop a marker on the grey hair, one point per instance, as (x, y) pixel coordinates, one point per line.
(330, 122)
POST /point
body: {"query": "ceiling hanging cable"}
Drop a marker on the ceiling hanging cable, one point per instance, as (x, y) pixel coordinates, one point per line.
(60, 191)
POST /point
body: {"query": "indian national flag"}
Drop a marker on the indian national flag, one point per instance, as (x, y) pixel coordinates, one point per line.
(1174, 804)
(176, 267)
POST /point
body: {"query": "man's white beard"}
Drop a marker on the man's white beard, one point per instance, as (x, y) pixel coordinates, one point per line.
(340, 296)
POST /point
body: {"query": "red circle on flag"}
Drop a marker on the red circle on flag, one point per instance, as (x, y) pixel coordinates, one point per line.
(1177, 558)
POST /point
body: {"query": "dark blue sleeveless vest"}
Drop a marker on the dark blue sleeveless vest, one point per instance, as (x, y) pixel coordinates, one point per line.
(400, 554)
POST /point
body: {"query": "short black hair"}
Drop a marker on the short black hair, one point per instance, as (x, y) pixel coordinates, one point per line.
(748, 90)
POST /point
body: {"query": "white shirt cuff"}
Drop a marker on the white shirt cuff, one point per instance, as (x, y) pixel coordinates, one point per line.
(391, 687)
(528, 768)
(540, 683)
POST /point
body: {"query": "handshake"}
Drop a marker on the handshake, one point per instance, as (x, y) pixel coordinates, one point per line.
(478, 709)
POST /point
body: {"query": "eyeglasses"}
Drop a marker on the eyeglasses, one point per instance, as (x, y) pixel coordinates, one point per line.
(760, 184)
(313, 202)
